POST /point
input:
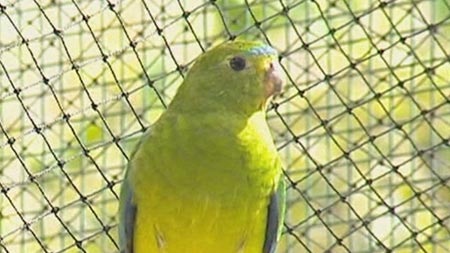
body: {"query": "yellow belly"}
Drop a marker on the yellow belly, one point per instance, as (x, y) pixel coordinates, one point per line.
(186, 224)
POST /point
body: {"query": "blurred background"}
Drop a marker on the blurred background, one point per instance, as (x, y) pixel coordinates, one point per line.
(363, 125)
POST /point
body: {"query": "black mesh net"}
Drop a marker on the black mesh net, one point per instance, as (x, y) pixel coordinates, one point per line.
(363, 125)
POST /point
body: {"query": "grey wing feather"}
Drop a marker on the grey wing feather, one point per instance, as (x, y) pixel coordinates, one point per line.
(275, 218)
(128, 209)
(127, 218)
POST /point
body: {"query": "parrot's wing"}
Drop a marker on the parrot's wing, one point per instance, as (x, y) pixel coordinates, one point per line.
(275, 217)
(127, 218)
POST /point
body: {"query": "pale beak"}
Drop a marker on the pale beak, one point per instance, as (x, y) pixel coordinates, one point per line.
(273, 81)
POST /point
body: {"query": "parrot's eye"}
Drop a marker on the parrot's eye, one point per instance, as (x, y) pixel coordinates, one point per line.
(237, 63)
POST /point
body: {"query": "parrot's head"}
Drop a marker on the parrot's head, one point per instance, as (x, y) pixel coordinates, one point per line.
(237, 75)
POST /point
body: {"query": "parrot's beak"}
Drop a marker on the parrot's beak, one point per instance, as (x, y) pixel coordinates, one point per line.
(273, 82)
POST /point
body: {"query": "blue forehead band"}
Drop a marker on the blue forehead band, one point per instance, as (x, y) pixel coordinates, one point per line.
(263, 50)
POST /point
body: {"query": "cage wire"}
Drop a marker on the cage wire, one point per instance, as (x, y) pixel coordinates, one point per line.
(363, 125)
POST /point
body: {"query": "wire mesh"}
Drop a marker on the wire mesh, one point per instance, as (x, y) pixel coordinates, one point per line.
(363, 126)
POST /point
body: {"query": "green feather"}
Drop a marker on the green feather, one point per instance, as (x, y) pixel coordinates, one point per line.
(203, 178)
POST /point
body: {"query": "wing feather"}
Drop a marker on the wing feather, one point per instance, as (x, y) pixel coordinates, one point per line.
(275, 217)
(127, 218)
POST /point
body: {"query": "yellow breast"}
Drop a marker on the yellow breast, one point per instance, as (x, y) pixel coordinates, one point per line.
(170, 222)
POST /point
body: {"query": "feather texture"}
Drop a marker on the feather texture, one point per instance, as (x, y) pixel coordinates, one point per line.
(207, 176)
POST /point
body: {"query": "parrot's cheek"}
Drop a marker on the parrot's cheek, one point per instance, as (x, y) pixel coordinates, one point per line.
(273, 83)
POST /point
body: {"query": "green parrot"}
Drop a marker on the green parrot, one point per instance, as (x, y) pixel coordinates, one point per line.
(207, 177)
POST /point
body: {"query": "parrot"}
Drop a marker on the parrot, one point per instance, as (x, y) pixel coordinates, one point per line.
(207, 177)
